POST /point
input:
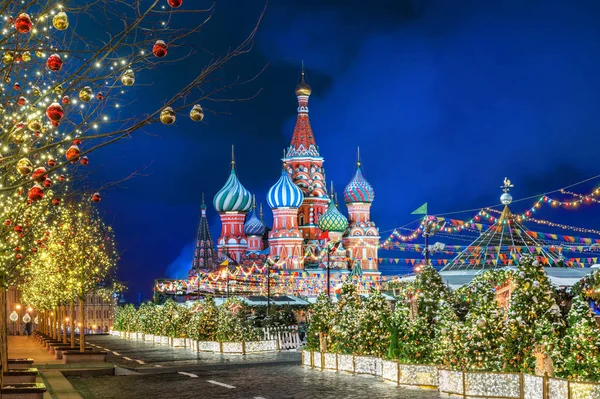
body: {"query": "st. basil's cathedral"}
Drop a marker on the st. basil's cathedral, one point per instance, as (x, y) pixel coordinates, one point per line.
(309, 232)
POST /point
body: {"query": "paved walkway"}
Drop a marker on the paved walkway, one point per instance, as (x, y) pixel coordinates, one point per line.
(58, 385)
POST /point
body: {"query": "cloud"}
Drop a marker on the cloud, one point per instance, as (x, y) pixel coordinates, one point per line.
(181, 266)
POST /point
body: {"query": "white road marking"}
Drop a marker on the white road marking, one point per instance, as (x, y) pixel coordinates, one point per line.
(220, 384)
(258, 397)
(141, 362)
(157, 365)
(126, 358)
(188, 374)
(116, 353)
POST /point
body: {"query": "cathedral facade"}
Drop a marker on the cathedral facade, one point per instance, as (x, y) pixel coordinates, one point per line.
(309, 232)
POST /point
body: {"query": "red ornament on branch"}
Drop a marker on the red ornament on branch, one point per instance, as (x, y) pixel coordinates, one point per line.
(36, 193)
(54, 63)
(96, 197)
(47, 183)
(160, 49)
(175, 3)
(85, 161)
(55, 112)
(23, 23)
(66, 100)
(72, 154)
(39, 174)
(51, 162)
(55, 201)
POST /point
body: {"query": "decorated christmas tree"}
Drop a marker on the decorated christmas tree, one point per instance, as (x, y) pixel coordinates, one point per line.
(398, 327)
(484, 330)
(234, 324)
(346, 326)
(582, 349)
(373, 336)
(531, 307)
(203, 323)
(321, 320)
(448, 346)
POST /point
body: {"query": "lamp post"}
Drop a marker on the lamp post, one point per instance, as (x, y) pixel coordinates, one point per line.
(269, 262)
(432, 226)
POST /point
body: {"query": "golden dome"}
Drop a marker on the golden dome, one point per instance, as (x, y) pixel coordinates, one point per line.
(303, 89)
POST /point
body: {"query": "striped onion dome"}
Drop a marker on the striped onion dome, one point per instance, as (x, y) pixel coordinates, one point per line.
(254, 226)
(333, 220)
(284, 193)
(359, 189)
(233, 197)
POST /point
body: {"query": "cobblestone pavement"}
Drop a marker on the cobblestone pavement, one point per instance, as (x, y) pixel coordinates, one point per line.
(149, 357)
(257, 382)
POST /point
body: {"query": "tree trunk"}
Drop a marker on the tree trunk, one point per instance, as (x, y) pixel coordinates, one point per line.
(3, 332)
(72, 306)
(58, 323)
(63, 319)
(82, 328)
(322, 343)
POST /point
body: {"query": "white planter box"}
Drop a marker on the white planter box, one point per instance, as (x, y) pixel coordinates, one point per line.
(139, 336)
(492, 384)
(317, 359)
(533, 386)
(389, 371)
(424, 375)
(346, 363)
(157, 339)
(114, 333)
(149, 338)
(451, 381)
(178, 342)
(209, 346)
(306, 358)
(581, 390)
(367, 365)
(330, 361)
(557, 389)
(261, 346)
(165, 341)
(122, 334)
(232, 347)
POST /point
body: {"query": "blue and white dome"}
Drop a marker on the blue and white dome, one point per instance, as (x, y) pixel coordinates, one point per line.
(254, 226)
(233, 197)
(284, 193)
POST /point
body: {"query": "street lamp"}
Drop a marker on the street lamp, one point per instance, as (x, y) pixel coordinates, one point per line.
(432, 226)
(269, 262)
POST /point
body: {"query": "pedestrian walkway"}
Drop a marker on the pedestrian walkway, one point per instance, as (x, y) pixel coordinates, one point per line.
(57, 384)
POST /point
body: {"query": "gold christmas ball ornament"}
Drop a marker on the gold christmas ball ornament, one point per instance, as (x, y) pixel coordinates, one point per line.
(85, 94)
(1, 109)
(34, 125)
(58, 90)
(167, 116)
(128, 77)
(8, 57)
(40, 54)
(36, 91)
(24, 167)
(197, 113)
(26, 56)
(61, 21)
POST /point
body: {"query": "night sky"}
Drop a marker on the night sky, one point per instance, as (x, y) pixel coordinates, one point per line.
(444, 98)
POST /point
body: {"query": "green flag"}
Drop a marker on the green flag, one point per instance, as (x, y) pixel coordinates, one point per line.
(422, 210)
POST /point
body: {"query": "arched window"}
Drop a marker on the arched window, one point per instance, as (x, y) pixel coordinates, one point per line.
(301, 219)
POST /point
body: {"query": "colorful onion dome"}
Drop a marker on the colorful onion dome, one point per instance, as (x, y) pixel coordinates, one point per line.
(284, 193)
(233, 197)
(303, 89)
(333, 220)
(254, 226)
(359, 189)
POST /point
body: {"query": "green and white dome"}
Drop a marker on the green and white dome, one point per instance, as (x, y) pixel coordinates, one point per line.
(333, 220)
(233, 197)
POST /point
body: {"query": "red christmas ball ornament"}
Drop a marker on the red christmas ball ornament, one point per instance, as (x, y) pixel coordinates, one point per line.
(55, 201)
(37, 133)
(34, 250)
(21, 101)
(39, 174)
(54, 63)
(36, 193)
(159, 49)
(19, 256)
(100, 96)
(47, 183)
(85, 161)
(175, 3)
(73, 153)
(76, 142)
(96, 197)
(62, 178)
(18, 249)
(18, 228)
(17, 86)
(23, 23)
(55, 112)
(51, 162)
(55, 123)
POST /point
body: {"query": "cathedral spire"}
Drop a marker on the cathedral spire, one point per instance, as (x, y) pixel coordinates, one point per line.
(303, 141)
(204, 253)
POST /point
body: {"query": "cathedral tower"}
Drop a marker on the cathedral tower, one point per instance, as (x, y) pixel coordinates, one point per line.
(255, 230)
(305, 166)
(204, 255)
(362, 237)
(285, 239)
(233, 202)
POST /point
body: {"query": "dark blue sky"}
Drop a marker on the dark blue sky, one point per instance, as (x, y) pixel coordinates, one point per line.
(445, 98)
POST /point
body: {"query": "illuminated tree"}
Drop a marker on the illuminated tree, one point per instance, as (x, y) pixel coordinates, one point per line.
(321, 320)
(582, 349)
(373, 335)
(346, 321)
(203, 323)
